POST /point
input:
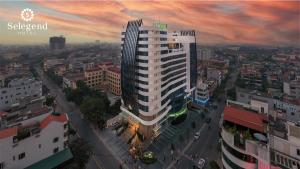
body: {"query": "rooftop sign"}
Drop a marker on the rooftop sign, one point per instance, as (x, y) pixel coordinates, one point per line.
(160, 26)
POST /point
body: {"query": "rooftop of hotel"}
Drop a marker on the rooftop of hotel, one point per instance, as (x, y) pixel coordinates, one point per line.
(245, 117)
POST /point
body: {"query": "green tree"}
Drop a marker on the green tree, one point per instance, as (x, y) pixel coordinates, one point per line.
(81, 151)
(50, 101)
(115, 108)
(94, 110)
(69, 94)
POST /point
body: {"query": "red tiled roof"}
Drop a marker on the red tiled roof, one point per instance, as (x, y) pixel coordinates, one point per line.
(50, 118)
(8, 132)
(43, 124)
(245, 118)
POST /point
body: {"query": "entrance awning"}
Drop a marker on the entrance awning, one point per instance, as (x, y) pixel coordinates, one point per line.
(53, 161)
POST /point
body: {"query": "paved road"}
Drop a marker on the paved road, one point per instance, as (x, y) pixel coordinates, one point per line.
(207, 145)
(103, 158)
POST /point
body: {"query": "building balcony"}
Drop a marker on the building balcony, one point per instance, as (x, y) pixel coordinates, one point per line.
(244, 142)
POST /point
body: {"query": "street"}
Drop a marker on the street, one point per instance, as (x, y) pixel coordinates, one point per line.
(206, 146)
(103, 158)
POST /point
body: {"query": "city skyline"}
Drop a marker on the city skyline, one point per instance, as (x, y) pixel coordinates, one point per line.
(264, 23)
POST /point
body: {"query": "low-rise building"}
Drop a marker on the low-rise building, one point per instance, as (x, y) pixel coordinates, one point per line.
(212, 85)
(33, 138)
(60, 70)
(290, 109)
(70, 80)
(284, 143)
(93, 77)
(17, 89)
(51, 63)
(251, 74)
(244, 138)
(214, 74)
(114, 79)
(104, 76)
(202, 93)
(292, 88)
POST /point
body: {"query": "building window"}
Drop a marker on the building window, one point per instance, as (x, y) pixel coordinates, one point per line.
(55, 140)
(55, 150)
(298, 152)
(14, 158)
(40, 146)
(21, 156)
(65, 126)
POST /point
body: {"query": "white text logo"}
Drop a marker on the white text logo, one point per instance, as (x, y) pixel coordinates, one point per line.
(27, 27)
(27, 14)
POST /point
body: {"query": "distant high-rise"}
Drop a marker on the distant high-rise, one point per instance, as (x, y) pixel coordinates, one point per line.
(157, 74)
(57, 42)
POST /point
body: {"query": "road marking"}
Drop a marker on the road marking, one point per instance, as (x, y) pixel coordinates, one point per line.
(186, 147)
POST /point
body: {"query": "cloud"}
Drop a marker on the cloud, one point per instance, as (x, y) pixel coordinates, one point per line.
(264, 22)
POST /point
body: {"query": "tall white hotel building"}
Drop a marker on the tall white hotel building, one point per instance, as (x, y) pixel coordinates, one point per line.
(158, 74)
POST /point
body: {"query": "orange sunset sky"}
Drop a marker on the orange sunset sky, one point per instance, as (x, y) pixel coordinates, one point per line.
(216, 22)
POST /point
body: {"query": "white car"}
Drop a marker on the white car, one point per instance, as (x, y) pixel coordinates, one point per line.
(201, 163)
(197, 135)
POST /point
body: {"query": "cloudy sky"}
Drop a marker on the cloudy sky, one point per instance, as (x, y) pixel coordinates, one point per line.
(216, 22)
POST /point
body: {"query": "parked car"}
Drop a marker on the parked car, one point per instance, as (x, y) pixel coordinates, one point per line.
(197, 135)
(201, 163)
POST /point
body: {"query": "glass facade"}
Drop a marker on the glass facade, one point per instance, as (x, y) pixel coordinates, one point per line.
(128, 65)
(193, 64)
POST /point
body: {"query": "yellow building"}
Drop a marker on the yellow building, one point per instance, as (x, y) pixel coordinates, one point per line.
(104, 76)
(114, 80)
(93, 77)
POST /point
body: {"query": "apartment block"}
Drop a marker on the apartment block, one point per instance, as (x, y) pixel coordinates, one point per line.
(32, 138)
(292, 88)
(104, 76)
(114, 80)
(18, 89)
(251, 74)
